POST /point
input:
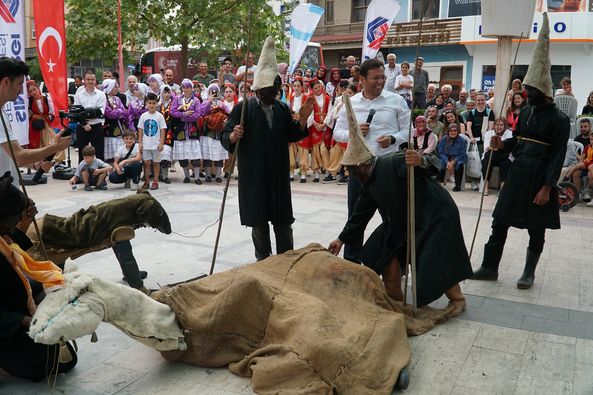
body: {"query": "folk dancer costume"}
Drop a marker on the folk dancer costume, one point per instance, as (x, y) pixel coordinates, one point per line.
(186, 112)
(213, 153)
(442, 259)
(334, 159)
(538, 148)
(155, 82)
(167, 153)
(295, 102)
(264, 188)
(137, 106)
(312, 144)
(228, 106)
(116, 116)
(41, 110)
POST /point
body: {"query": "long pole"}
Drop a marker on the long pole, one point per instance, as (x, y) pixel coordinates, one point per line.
(120, 54)
(411, 239)
(237, 145)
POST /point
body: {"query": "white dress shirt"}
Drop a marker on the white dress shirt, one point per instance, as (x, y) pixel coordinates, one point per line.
(6, 162)
(95, 99)
(392, 118)
(390, 75)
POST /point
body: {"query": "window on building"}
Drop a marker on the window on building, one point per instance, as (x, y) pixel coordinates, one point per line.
(430, 8)
(329, 11)
(359, 9)
(33, 30)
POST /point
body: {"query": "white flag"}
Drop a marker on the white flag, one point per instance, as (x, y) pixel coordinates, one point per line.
(379, 17)
(303, 21)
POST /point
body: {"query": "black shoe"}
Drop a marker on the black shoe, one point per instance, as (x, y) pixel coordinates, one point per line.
(303, 180)
(208, 179)
(316, 179)
(166, 180)
(485, 274)
(186, 180)
(218, 180)
(161, 179)
(198, 181)
(192, 175)
(143, 275)
(212, 175)
(456, 189)
(528, 276)
(328, 179)
(343, 180)
(202, 174)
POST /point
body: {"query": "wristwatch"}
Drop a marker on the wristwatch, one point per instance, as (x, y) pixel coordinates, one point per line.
(392, 140)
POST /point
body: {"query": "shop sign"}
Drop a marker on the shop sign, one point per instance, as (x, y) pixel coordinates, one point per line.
(434, 32)
(487, 82)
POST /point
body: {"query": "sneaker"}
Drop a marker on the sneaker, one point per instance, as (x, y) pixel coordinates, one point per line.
(101, 187)
(134, 186)
(208, 179)
(198, 181)
(343, 180)
(303, 180)
(88, 188)
(166, 180)
(590, 204)
(586, 197)
(127, 183)
(328, 179)
(186, 180)
(456, 189)
(145, 185)
(316, 179)
(475, 186)
(155, 185)
(218, 180)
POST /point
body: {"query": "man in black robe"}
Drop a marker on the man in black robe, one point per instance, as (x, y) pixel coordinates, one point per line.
(442, 259)
(529, 199)
(264, 184)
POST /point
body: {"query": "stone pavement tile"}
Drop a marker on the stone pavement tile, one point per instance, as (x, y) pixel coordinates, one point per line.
(562, 328)
(546, 337)
(490, 370)
(501, 339)
(438, 357)
(510, 319)
(585, 291)
(139, 358)
(102, 378)
(548, 361)
(527, 385)
(583, 352)
(531, 310)
(583, 379)
(460, 390)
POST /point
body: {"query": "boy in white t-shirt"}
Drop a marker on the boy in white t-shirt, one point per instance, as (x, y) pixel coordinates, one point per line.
(127, 165)
(151, 138)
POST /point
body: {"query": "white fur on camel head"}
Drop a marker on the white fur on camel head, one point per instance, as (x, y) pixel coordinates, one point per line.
(78, 308)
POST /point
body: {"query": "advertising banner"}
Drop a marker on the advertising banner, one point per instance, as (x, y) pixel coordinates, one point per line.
(379, 17)
(459, 8)
(12, 37)
(303, 21)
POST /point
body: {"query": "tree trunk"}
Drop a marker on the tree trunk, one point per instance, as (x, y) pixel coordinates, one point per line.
(184, 54)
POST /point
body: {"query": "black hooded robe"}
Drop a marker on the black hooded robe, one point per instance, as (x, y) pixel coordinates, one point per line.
(441, 256)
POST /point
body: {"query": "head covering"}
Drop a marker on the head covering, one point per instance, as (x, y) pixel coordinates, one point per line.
(358, 151)
(453, 126)
(108, 85)
(538, 74)
(143, 88)
(335, 82)
(31, 83)
(186, 83)
(156, 77)
(165, 87)
(213, 88)
(267, 69)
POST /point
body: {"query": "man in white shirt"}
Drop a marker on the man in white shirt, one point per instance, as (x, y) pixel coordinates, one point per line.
(241, 77)
(388, 128)
(12, 76)
(92, 131)
(169, 75)
(392, 70)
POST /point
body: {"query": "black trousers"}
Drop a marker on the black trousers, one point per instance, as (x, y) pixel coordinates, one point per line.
(420, 100)
(495, 245)
(261, 240)
(131, 172)
(499, 159)
(352, 251)
(458, 173)
(96, 137)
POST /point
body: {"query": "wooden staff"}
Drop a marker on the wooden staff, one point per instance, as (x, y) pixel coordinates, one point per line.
(237, 144)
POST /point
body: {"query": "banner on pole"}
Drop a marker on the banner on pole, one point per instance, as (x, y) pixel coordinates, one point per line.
(51, 49)
(303, 21)
(379, 17)
(12, 44)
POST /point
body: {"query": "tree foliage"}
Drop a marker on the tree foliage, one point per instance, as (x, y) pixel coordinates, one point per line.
(202, 27)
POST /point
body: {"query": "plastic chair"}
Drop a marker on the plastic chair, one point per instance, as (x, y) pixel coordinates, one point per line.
(569, 106)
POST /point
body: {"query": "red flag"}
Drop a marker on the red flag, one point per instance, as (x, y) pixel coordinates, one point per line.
(51, 48)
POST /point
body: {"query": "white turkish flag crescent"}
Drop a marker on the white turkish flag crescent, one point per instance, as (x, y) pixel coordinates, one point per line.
(50, 32)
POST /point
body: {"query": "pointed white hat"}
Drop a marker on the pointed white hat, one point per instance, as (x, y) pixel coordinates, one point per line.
(358, 151)
(538, 74)
(267, 69)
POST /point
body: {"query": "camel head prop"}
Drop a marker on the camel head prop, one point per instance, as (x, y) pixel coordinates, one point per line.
(85, 301)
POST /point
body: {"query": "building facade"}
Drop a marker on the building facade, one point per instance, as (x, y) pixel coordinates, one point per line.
(451, 41)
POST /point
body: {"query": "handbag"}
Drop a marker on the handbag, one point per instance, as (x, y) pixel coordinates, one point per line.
(474, 164)
(38, 124)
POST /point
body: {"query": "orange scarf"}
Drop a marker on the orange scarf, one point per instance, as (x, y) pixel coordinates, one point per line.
(45, 272)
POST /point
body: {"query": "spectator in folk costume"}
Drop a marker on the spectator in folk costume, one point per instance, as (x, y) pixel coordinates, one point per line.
(452, 153)
(155, 81)
(229, 101)
(186, 109)
(312, 144)
(213, 152)
(41, 115)
(297, 98)
(529, 199)
(116, 116)
(321, 74)
(334, 81)
(499, 157)
(137, 106)
(264, 188)
(164, 108)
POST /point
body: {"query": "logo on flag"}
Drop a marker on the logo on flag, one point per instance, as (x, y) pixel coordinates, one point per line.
(8, 10)
(376, 32)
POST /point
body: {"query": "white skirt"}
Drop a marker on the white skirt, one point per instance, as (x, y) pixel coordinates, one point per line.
(187, 150)
(167, 153)
(112, 144)
(212, 149)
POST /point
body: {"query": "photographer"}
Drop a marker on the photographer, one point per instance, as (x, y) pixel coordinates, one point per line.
(92, 131)
(12, 76)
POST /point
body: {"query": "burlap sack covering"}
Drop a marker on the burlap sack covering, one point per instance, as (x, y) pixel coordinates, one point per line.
(305, 322)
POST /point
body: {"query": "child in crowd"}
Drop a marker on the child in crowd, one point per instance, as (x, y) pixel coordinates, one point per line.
(91, 170)
(151, 137)
(127, 163)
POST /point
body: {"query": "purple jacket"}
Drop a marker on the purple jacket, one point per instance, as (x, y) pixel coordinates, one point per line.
(135, 110)
(199, 109)
(115, 109)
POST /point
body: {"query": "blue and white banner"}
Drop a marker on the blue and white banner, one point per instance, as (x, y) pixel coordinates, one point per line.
(379, 17)
(303, 21)
(12, 44)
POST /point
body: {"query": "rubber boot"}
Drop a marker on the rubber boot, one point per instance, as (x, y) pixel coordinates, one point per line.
(526, 280)
(127, 262)
(488, 271)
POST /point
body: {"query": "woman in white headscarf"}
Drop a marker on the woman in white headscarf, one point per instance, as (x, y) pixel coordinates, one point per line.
(155, 81)
(115, 120)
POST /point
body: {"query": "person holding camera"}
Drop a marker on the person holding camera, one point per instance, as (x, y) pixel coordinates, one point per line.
(91, 131)
(12, 76)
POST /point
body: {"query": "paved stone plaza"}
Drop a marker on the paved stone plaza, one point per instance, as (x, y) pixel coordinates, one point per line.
(538, 341)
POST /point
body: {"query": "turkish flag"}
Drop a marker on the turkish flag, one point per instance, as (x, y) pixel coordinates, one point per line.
(50, 29)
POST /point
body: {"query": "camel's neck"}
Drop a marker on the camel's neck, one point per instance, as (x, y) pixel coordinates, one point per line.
(139, 316)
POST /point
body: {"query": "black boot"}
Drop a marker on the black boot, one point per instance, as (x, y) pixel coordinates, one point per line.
(127, 262)
(489, 269)
(526, 280)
